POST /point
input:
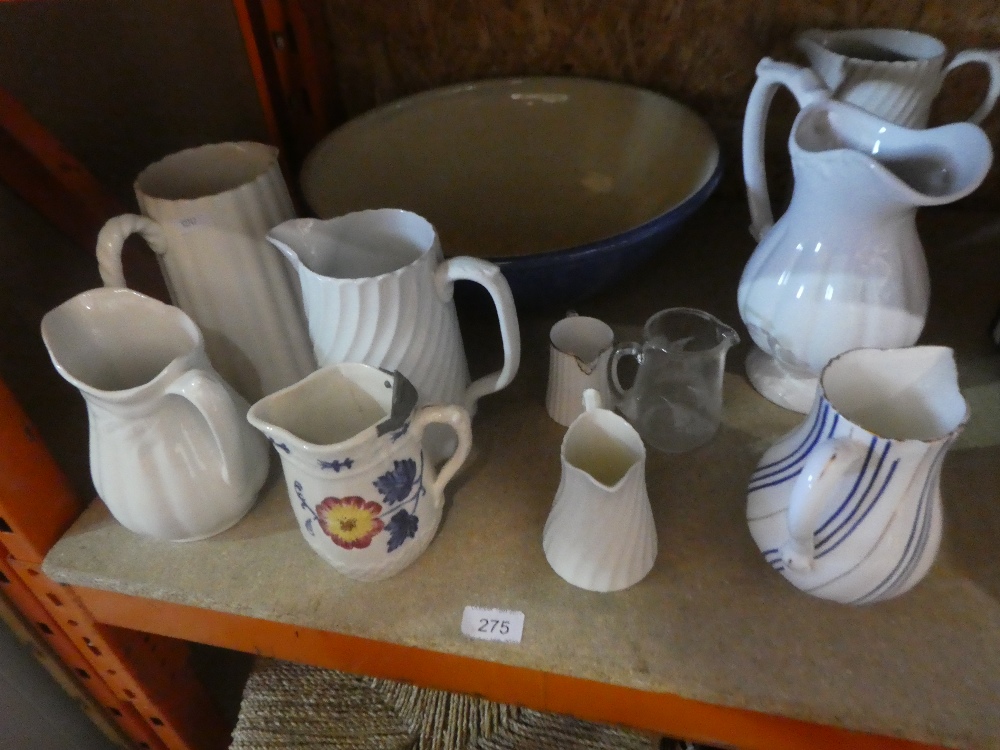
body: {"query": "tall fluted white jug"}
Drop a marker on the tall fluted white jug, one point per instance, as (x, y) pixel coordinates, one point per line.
(600, 534)
(377, 290)
(205, 213)
(171, 453)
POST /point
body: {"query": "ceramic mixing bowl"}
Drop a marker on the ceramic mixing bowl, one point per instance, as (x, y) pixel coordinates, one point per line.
(567, 184)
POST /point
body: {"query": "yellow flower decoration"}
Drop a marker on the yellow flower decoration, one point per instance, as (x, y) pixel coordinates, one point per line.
(351, 522)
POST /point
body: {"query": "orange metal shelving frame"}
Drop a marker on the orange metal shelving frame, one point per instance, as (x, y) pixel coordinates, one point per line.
(124, 650)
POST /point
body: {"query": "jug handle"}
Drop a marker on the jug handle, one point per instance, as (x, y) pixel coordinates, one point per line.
(827, 463)
(112, 237)
(628, 349)
(989, 58)
(490, 277)
(217, 408)
(458, 419)
(806, 88)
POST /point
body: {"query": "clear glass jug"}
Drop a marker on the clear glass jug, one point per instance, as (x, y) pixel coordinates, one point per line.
(675, 401)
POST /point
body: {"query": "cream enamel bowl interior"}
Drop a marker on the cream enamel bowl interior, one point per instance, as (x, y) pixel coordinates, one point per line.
(565, 183)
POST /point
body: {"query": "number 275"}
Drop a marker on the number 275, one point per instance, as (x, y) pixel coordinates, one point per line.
(494, 626)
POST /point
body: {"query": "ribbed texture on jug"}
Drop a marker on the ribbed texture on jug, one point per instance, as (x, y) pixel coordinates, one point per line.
(221, 270)
(395, 321)
(597, 538)
(902, 97)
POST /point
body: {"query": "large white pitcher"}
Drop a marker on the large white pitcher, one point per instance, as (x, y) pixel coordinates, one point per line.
(171, 453)
(843, 267)
(205, 213)
(847, 506)
(377, 290)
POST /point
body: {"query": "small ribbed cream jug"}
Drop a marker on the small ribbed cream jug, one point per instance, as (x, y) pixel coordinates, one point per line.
(600, 533)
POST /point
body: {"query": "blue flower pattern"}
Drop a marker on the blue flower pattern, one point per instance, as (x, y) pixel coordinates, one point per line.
(305, 504)
(282, 446)
(395, 485)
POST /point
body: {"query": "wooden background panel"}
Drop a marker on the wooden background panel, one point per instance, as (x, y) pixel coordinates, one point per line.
(702, 53)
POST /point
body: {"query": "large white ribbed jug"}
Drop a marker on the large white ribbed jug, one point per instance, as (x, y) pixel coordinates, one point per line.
(377, 290)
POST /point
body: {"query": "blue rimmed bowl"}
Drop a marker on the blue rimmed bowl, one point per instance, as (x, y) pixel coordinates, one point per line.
(567, 184)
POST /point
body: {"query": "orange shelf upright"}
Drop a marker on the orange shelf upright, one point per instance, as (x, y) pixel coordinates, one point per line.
(44, 173)
(37, 504)
(119, 711)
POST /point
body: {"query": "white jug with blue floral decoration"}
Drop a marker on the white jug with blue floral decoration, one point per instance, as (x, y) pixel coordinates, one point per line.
(367, 498)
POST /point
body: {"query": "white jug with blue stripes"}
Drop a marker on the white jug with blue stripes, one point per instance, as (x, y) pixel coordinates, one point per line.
(847, 506)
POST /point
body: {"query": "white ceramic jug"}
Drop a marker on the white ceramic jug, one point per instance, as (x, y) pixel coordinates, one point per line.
(205, 213)
(579, 353)
(600, 534)
(893, 73)
(378, 290)
(350, 440)
(843, 267)
(847, 506)
(170, 451)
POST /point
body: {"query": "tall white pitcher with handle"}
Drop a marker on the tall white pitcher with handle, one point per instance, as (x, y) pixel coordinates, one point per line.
(171, 453)
(205, 212)
(377, 290)
(843, 267)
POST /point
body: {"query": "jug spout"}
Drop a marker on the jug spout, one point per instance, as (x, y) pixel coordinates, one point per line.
(912, 167)
(829, 65)
(290, 238)
(910, 393)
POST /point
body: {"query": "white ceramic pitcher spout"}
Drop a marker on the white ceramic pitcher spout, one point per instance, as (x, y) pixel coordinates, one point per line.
(377, 290)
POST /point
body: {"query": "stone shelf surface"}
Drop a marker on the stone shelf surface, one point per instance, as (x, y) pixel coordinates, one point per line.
(712, 622)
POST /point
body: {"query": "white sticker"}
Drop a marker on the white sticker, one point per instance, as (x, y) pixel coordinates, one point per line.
(191, 222)
(493, 624)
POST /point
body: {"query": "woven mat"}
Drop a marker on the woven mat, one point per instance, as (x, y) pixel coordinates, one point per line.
(289, 705)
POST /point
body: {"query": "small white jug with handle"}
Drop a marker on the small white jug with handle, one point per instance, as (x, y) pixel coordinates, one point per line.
(600, 534)
(892, 73)
(579, 353)
(350, 438)
(205, 212)
(847, 506)
(377, 290)
(171, 453)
